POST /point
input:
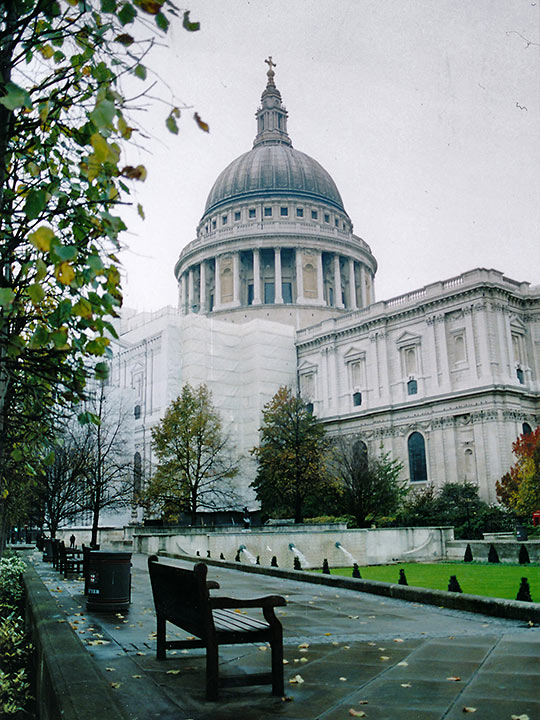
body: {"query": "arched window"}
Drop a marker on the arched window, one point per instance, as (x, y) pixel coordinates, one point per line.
(520, 375)
(137, 412)
(527, 429)
(360, 455)
(417, 457)
(357, 399)
(309, 408)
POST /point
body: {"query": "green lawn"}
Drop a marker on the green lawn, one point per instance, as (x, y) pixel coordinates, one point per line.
(495, 580)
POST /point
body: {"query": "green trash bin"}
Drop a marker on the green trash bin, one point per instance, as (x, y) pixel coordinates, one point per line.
(108, 581)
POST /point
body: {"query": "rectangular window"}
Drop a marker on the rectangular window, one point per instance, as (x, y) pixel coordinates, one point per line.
(284, 211)
(286, 289)
(268, 212)
(251, 212)
(314, 215)
(213, 224)
(250, 295)
(299, 212)
(326, 217)
(336, 222)
(269, 293)
(237, 215)
(224, 220)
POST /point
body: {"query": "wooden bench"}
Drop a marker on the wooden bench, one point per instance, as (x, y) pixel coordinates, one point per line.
(182, 597)
(67, 563)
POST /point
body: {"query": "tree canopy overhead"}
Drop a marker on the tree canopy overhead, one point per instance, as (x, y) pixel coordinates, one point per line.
(66, 127)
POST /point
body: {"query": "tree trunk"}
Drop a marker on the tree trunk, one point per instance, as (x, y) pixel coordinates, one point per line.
(95, 526)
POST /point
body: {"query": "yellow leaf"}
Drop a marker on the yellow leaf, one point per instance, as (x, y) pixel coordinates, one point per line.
(356, 713)
(173, 672)
(115, 685)
(469, 709)
(137, 677)
(454, 678)
(343, 679)
(203, 126)
(46, 51)
(41, 238)
(101, 147)
(64, 273)
(297, 679)
(385, 657)
(406, 685)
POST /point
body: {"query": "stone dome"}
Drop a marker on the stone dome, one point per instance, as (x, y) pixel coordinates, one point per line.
(273, 169)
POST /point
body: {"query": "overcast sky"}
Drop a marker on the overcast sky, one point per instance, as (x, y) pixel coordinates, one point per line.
(426, 113)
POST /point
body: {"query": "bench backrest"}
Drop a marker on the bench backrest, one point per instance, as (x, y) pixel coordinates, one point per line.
(181, 596)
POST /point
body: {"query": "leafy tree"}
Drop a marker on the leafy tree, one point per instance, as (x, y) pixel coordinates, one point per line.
(519, 489)
(291, 456)
(372, 486)
(65, 124)
(195, 460)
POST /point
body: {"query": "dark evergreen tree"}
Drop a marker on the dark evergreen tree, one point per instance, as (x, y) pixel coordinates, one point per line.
(297, 564)
(208, 554)
(356, 571)
(258, 561)
(273, 562)
(493, 556)
(453, 585)
(402, 578)
(237, 556)
(221, 556)
(524, 558)
(524, 592)
(325, 567)
(198, 554)
(468, 557)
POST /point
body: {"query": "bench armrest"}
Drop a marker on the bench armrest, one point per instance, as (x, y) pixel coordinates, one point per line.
(212, 585)
(269, 601)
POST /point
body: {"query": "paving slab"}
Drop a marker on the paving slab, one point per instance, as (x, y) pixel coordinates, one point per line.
(346, 652)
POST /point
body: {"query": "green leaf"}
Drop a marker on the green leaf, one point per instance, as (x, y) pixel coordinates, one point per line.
(36, 200)
(188, 25)
(108, 6)
(170, 122)
(39, 338)
(49, 459)
(94, 262)
(162, 22)
(102, 371)
(59, 338)
(15, 97)
(140, 210)
(16, 454)
(140, 72)
(7, 296)
(127, 14)
(36, 293)
(102, 115)
(66, 252)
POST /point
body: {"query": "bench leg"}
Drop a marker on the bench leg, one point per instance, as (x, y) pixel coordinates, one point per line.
(160, 651)
(276, 645)
(212, 672)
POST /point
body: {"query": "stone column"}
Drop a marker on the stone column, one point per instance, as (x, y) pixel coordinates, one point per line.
(217, 291)
(299, 277)
(191, 293)
(363, 285)
(320, 282)
(202, 289)
(278, 292)
(352, 286)
(256, 277)
(338, 302)
(181, 295)
(236, 279)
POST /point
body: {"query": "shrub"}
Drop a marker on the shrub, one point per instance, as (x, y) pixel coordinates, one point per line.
(524, 558)
(356, 571)
(453, 585)
(524, 592)
(273, 562)
(325, 567)
(297, 564)
(402, 577)
(493, 556)
(468, 554)
(11, 583)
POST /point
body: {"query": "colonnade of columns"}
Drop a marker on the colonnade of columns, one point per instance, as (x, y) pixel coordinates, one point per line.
(205, 285)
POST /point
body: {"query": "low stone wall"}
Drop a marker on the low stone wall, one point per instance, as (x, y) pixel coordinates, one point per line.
(340, 547)
(507, 550)
(68, 685)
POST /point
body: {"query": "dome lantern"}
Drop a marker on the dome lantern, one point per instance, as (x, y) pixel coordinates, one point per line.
(272, 115)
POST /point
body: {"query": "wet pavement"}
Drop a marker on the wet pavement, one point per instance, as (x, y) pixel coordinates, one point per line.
(347, 654)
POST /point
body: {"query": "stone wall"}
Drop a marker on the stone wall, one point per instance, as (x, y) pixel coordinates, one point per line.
(507, 550)
(341, 547)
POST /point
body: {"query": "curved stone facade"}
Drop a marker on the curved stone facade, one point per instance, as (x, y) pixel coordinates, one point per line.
(275, 240)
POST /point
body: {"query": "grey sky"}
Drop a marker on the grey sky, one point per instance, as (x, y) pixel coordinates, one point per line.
(425, 113)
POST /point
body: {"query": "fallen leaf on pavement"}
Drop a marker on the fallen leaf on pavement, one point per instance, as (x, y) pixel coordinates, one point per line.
(357, 713)
(173, 672)
(454, 678)
(298, 679)
(469, 709)
(406, 685)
